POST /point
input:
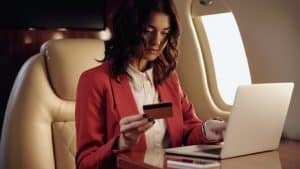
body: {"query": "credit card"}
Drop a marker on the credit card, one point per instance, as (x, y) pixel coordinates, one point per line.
(159, 110)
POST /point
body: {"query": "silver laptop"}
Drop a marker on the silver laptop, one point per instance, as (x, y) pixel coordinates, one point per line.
(255, 123)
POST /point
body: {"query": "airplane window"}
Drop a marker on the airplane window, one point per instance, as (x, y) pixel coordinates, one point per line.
(226, 50)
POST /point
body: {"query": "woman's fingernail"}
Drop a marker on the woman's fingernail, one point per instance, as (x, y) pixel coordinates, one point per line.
(145, 115)
(150, 119)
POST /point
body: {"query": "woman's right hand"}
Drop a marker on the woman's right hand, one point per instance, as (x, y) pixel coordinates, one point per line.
(132, 127)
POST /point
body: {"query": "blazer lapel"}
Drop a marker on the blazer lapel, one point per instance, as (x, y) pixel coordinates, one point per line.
(124, 99)
(125, 103)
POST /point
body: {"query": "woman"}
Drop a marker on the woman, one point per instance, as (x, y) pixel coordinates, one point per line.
(138, 69)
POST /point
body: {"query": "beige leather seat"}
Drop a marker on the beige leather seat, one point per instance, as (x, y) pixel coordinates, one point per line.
(39, 131)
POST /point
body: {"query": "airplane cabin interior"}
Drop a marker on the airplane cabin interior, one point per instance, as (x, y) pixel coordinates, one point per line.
(224, 44)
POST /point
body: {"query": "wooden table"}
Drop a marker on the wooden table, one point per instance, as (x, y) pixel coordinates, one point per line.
(286, 157)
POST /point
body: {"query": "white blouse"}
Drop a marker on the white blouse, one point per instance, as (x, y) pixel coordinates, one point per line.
(144, 92)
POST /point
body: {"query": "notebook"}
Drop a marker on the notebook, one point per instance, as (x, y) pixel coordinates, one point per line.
(255, 123)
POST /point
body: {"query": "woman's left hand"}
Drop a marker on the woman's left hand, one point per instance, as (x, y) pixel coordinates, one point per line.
(214, 130)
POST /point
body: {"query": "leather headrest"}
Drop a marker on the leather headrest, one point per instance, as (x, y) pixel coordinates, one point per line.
(66, 59)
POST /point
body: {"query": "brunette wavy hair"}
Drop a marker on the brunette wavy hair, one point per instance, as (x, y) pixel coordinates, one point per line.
(129, 23)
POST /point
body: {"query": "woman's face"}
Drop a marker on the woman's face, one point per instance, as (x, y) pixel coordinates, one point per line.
(155, 36)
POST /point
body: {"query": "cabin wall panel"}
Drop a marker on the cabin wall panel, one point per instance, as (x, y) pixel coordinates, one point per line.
(271, 33)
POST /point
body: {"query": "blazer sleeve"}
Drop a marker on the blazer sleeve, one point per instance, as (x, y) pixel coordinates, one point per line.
(192, 125)
(93, 148)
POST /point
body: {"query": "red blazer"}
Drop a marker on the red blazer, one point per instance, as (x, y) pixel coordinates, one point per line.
(102, 101)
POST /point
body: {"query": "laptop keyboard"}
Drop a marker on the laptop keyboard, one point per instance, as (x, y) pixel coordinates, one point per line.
(212, 151)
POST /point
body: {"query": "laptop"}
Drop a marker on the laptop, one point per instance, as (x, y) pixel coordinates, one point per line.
(255, 123)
